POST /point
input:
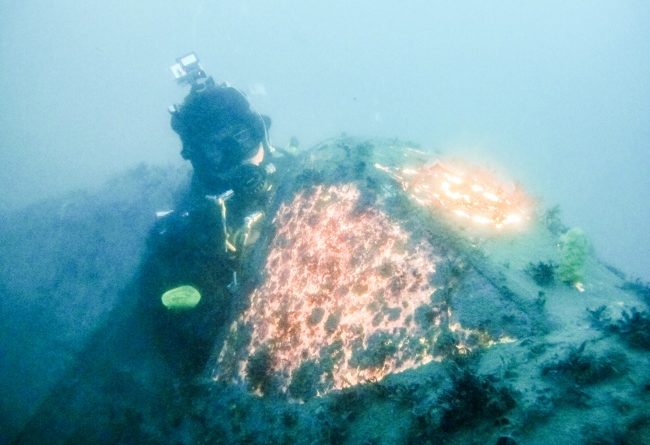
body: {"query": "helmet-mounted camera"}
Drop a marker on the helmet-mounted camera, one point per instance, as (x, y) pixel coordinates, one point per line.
(188, 70)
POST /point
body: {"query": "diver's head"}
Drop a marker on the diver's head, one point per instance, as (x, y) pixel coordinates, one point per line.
(219, 132)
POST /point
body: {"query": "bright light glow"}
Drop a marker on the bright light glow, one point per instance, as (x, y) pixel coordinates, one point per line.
(470, 193)
(480, 219)
(343, 285)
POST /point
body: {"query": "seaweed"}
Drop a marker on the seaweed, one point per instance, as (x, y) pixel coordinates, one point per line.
(543, 274)
(553, 222)
(446, 342)
(616, 271)
(259, 371)
(316, 316)
(599, 317)
(586, 368)
(633, 327)
(305, 381)
(639, 288)
(330, 356)
(470, 399)
(332, 322)
(425, 316)
(343, 409)
(380, 346)
(310, 177)
(473, 397)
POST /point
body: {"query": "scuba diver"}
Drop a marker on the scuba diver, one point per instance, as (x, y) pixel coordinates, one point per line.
(192, 271)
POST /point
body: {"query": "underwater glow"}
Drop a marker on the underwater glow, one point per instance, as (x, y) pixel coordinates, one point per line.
(469, 194)
(343, 287)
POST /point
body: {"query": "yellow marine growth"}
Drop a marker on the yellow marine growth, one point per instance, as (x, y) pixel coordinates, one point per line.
(182, 297)
(573, 255)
